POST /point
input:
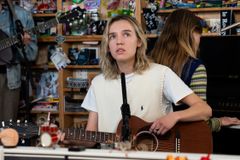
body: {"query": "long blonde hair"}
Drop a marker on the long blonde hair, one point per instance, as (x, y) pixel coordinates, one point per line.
(176, 42)
(108, 63)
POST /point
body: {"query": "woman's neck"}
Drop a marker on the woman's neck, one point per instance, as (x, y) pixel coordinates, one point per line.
(125, 68)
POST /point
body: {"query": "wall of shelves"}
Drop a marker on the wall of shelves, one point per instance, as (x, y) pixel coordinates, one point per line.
(67, 119)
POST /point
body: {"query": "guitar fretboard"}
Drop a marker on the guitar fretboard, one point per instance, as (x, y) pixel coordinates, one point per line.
(8, 42)
(44, 26)
(99, 137)
(74, 14)
(5, 43)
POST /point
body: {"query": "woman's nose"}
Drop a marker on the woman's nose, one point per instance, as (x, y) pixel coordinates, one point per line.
(119, 40)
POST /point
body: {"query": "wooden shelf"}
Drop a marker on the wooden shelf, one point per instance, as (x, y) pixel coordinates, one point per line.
(83, 67)
(87, 38)
(65, 89)
(76, 113)
(51, 66)
(47, 39)
(215, 9)
(36, 15)
(204, 35)
(44, 67)
(44, 112)
(83, 38)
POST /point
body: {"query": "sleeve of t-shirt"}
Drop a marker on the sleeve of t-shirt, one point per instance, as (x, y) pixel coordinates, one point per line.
(89, 102)
(174, 88)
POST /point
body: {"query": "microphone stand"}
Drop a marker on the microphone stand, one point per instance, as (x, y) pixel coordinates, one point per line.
(125, 110)
(27, 74)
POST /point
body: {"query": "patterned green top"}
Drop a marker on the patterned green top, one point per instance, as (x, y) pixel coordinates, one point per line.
(199, 86)
(199, 82)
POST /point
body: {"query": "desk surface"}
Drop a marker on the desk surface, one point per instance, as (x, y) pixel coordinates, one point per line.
(96, 154)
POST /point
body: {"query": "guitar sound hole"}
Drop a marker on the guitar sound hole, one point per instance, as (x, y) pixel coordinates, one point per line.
(145, 141)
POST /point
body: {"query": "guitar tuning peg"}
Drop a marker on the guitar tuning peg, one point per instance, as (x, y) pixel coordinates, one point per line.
(26, 122)
(3, 124)
(22, 141)
(18, 122)
(10, 122)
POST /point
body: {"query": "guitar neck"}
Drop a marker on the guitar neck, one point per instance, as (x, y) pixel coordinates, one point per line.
(43, 27)
(8, 42)
(74, 14)
(75, 134)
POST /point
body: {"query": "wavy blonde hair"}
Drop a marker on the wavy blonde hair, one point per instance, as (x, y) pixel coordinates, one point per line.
(108, 63)
(176, 42)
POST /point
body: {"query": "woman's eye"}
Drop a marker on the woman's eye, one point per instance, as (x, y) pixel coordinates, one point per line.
(111, 37)
(126, 34)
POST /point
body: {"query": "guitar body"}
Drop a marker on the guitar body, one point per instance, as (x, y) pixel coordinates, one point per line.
(193, 137)
(6, 54)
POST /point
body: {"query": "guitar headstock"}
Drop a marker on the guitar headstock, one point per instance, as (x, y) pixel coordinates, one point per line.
(25, 129)
(72, 15)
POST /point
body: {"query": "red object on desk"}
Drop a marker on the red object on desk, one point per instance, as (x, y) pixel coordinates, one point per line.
(206, 158)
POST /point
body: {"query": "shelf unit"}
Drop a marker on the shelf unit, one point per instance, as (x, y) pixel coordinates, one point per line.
(207, 13)
(215, 9)
(66, 119)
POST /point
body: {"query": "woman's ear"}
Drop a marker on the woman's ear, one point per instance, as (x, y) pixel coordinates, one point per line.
(139, 43)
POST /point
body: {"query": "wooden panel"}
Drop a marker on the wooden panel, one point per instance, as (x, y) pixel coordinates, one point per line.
(208, 10)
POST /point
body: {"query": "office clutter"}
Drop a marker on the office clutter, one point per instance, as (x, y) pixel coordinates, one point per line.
(46, 93)
(73, 101)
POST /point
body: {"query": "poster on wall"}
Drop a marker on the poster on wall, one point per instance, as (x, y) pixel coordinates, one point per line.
(110, 8)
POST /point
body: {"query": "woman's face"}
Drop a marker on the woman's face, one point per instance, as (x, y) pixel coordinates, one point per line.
(123, 42)
(196, 37)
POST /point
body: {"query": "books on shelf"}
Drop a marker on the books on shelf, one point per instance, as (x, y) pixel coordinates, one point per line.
(45, 104)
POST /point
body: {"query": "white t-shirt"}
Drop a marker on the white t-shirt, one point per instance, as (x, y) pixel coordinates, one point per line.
(154, 90)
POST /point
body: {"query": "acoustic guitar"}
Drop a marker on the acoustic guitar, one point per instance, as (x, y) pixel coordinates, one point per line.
(66, 17)
(191, 137)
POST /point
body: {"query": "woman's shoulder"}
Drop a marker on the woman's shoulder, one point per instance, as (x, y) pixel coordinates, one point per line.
(98, 77)
(158, 66)
(159, 69)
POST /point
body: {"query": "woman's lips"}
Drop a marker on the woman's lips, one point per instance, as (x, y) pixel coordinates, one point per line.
(120, 50)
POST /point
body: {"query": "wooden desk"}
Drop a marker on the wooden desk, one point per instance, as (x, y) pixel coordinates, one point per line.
(37, 153)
